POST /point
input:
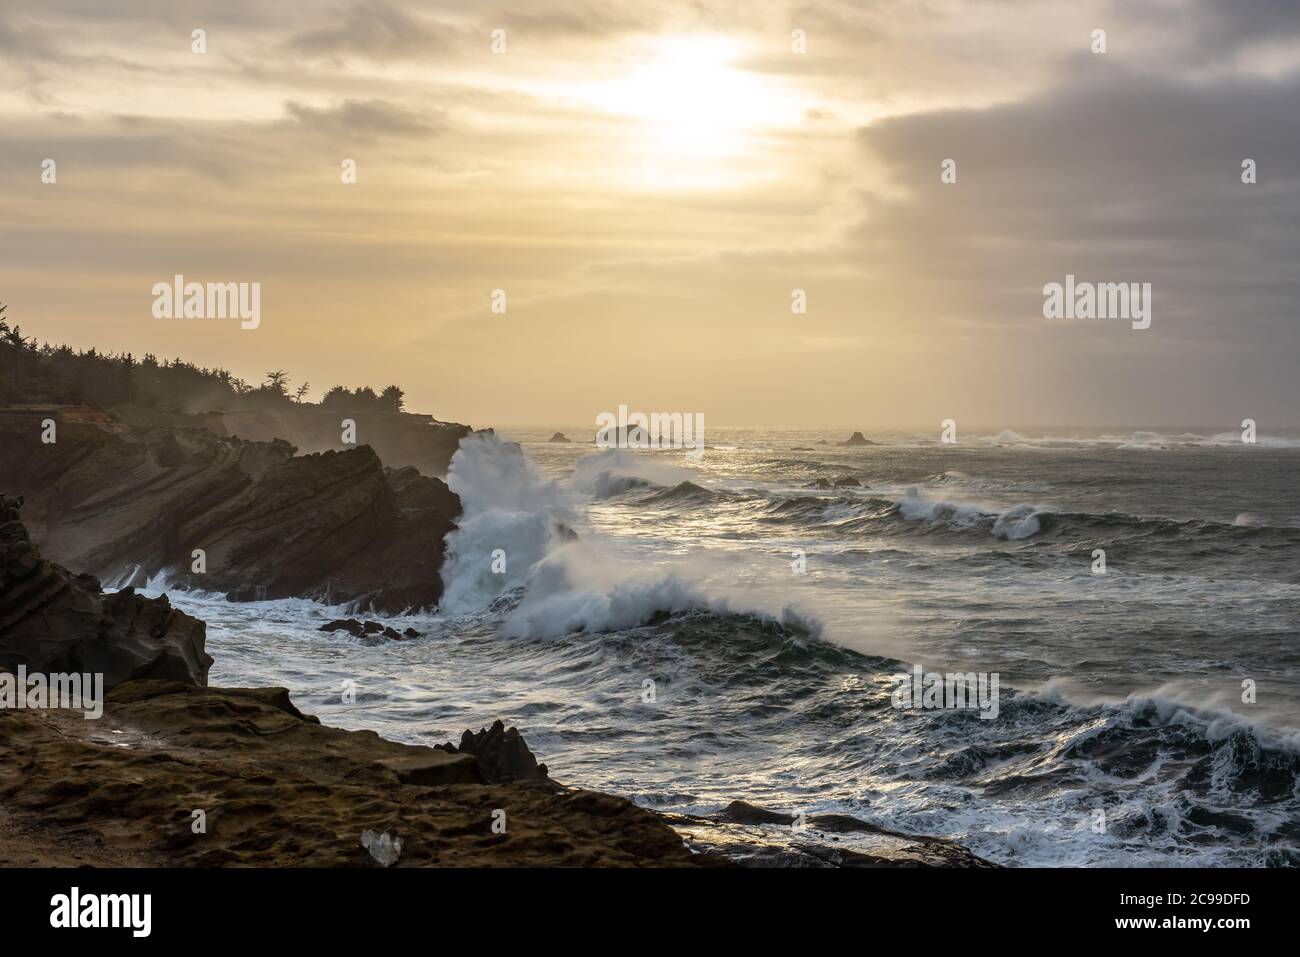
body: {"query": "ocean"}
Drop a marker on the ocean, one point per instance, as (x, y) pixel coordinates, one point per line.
(691, 633)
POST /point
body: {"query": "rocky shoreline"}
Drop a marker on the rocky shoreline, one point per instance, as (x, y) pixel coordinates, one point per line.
(252, 519)
(175, 773)
(180, 775)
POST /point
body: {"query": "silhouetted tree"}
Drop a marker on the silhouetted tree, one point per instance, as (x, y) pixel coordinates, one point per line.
(277, 382)
(34, 372)
(337, 397)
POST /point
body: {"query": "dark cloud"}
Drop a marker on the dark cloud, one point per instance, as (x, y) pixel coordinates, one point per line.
(368, 118)
(1111, 176)
(1220, 28)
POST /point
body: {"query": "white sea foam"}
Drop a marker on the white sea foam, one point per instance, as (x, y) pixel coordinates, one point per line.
(589, 586)
(1020, 521)
(510, 516)
(569, 585)
(614, 471)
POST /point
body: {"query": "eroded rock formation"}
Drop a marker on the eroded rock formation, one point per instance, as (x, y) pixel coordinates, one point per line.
(52, 621)
(277, 788)
(251, 519)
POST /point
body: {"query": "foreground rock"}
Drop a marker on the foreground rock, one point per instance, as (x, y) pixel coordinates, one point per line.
(751, 836)
(269, 523)
(277, 788)
(52, 621)
(371, 632)
(502, 755)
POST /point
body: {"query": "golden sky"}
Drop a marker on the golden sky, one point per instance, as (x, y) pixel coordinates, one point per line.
(650, 181)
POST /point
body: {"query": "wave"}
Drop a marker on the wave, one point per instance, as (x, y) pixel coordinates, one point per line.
(1176, 782)
(1173, 779)
(683, 493)
(1114, 524)
(1015, 523)
(613, 472)
(955, 478)
(851, 514)
(585, 586)
(515, 536)
(918, 513)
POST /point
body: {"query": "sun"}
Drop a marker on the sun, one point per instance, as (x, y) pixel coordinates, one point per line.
(694, 102)
(690, 102)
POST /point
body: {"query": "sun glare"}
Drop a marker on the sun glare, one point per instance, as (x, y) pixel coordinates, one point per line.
(694, 104)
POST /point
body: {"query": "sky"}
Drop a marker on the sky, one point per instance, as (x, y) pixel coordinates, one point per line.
(650, 182)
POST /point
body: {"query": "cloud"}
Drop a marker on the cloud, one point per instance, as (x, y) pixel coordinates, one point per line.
(1122, 167)
(374, 31)
(364, 117)
(1113, 175)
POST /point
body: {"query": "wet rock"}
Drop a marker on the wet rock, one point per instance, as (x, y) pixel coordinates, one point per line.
(856, 439)
(847, 481)
(502, 755)
(742, 812)
(336, 526)
(623, 437)
(753, 836)
(54, 621)
(558, 437)
(368, 631)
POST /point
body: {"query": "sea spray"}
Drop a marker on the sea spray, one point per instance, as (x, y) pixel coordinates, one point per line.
(510, 517)
(612, 472)
(589, 585)
(586, 584)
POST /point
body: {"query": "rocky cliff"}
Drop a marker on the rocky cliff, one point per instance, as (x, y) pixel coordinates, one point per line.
(399, 438)
(52, 621)
(251, 519)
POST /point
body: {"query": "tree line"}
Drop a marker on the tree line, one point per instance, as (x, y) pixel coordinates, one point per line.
(40, 373)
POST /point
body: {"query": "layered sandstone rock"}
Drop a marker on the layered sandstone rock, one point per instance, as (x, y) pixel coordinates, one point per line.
(52, 621)
(127, 503)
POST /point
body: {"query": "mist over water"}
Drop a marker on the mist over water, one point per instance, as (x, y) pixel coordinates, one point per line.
(1120, 692)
